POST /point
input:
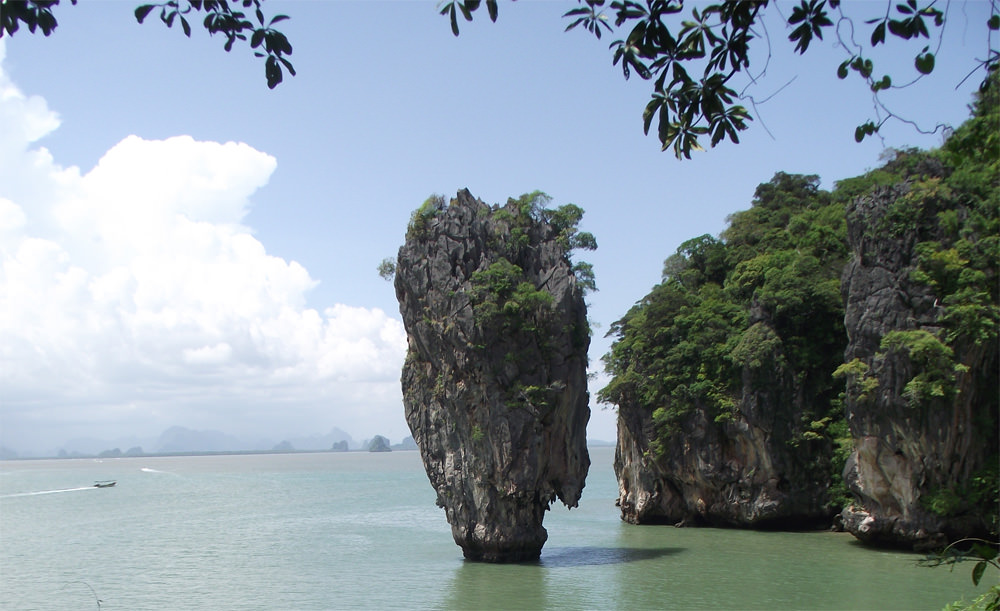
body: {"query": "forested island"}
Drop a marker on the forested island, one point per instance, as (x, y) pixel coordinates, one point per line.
(832, 356)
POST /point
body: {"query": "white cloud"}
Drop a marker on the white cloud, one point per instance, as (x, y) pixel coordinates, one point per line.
(132, 295)
(208, 355)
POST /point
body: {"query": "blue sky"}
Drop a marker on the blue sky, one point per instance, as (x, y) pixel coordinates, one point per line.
(156, 275)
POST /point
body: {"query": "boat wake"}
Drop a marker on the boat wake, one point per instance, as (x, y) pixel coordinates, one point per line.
(150, 470)
(8, 496)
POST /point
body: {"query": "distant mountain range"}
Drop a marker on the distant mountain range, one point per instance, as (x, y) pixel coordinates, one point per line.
(182, 440)
(179, 439)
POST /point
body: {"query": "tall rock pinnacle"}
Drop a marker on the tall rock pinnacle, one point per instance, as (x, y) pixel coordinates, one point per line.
(495, 378)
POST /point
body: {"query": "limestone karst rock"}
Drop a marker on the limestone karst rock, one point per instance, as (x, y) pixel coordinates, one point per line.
(744, 473)
(379, 444)
(905, 454)
(495, 377)
(722, 373)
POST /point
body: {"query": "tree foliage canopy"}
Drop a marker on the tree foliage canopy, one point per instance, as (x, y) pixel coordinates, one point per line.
(764, 298)
(219, 18)
(697, 60)
(702, 63)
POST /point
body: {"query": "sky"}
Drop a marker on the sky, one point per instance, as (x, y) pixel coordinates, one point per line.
(183, 247)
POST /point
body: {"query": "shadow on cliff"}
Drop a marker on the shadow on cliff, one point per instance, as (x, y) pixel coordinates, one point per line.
(596, 556)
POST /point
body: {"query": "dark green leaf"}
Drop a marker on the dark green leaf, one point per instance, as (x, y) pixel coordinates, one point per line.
(866, 129)
(924, 63)
(878, 35)
(279, 42)
(277, 18)
(977, 572)
(902, 8)
(256, 39)
(994, 22)
(719, 133)
(466, 11)
(143, 11)
(884, 83)
(185, 26)
(842, 70)
(647, 115)
(799, 13)
(866, 68)
(666, 130)
(454, 20)
(802, 34)
(491, 6)
(272, 71)
(986, 552)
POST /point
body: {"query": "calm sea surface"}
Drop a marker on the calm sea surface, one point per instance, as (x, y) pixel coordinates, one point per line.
(360, 530)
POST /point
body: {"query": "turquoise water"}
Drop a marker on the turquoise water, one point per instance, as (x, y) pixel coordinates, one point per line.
(360, 530)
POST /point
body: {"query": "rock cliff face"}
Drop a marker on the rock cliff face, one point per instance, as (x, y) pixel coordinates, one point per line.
(755, 471)
(495, 380)
(906, 454)
(722, 373)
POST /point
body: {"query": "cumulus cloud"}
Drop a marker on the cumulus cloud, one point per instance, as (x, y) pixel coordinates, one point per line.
(132, 295)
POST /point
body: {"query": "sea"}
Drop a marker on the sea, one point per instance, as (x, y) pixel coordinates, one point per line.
(360, 530)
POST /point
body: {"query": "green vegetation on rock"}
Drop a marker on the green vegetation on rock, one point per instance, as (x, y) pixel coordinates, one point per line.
(764, 301)
(755, 319)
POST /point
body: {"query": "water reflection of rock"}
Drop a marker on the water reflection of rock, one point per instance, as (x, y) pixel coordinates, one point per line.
(560, 557)
(478, 585)
(555, 581)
